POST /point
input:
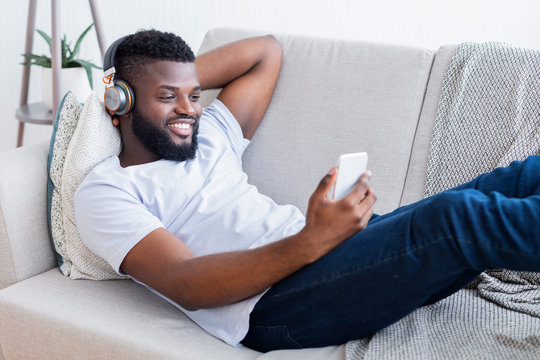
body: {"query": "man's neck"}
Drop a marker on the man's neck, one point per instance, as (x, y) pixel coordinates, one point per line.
(128, 158)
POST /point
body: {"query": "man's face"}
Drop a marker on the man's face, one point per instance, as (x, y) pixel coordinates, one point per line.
(167, 110)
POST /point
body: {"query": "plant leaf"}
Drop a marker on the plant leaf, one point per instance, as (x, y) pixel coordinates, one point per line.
(88, 68)
(47, 39)
(65, 47)
(79, 40)
(68, 55)
(33, 56)
(86, 63)
(39, 60)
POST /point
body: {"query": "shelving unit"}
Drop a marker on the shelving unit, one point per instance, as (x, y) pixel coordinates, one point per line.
(37, 113)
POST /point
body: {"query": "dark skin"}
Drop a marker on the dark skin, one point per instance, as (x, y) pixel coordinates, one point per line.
(168, 89)
(247, 71)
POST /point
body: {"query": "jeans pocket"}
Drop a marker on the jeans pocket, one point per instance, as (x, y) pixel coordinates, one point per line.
(267, 338)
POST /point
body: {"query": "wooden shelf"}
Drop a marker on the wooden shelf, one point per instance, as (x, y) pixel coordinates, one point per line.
(35, 113)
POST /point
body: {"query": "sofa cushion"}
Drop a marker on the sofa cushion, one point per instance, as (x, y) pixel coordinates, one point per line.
(82, 138)
(110, 320)
(335, 97)
(64, 125)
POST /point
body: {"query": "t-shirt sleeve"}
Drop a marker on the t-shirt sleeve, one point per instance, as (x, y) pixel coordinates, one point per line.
(111, 221)
(218, 116)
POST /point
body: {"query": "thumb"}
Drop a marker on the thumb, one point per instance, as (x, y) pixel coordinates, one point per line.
(326, 183)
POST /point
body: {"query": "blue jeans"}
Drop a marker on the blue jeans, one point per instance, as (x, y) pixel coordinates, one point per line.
(411, 257)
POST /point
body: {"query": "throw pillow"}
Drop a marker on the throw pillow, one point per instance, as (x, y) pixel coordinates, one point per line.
(93, 140)
(66, 120)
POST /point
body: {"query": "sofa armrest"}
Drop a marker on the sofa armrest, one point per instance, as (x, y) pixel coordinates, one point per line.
(25, 248)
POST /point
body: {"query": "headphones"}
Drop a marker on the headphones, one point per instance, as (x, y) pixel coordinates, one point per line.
(119, 97)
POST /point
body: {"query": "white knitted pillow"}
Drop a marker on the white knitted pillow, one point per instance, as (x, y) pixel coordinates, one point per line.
(64, 126)
(93, 140)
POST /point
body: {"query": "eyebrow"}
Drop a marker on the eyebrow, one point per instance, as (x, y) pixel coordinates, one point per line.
(174, 88)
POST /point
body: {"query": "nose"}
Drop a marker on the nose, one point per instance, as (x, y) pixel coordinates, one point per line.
(184, 106)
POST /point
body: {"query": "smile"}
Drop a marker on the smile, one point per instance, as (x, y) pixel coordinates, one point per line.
(180, 126)
(182, 129)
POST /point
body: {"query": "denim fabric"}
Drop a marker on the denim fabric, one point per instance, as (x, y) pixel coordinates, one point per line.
(413, 256)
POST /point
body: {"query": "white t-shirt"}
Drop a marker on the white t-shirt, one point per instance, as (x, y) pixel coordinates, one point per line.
(206, 202)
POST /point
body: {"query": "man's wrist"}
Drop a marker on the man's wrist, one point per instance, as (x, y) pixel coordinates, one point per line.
(308, 250)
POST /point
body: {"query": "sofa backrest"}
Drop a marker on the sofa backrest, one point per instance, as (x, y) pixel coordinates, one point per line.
(335, 97)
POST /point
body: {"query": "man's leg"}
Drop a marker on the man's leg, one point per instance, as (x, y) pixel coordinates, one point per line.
(517, 180)
(401, 261)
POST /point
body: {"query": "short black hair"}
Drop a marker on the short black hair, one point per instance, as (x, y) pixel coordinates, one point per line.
(146, 47)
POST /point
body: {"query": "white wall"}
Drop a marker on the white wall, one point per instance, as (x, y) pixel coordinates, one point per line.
(424, 23)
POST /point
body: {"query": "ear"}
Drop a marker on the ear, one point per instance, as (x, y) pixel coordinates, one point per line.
(117, 119)
(114, 118)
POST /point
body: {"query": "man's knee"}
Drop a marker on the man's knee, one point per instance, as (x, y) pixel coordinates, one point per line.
(454, 203)
(528, 176)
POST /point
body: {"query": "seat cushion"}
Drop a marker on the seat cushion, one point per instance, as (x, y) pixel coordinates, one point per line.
(84, 319)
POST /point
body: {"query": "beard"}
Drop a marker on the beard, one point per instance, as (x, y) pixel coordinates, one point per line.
(159, 140)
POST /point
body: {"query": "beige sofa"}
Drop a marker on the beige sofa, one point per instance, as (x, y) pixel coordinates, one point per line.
(332, 97)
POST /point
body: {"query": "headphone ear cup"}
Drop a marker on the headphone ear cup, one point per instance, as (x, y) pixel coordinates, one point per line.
(119, 98)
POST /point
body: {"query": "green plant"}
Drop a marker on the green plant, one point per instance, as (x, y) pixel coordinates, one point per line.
(69, 57)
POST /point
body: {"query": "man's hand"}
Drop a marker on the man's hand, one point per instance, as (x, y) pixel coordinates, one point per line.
(329, 222)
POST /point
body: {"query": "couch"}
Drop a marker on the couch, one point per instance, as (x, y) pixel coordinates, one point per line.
(332, 97)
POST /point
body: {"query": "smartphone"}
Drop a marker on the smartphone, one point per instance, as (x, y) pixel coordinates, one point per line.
(350, 167)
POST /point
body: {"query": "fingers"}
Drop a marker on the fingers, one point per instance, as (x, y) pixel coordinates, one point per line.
(365, 219)
(369, 198)
(360, 189)
(346, 216)
(366, 204)
(363, 211)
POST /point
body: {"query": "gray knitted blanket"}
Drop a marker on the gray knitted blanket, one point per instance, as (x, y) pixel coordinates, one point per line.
(488, 115)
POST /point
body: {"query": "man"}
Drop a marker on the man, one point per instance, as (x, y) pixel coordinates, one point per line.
(174, 211)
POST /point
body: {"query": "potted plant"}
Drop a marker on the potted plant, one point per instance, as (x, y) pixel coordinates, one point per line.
(76, 74)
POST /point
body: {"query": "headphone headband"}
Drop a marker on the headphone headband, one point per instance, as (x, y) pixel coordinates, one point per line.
(108, 59)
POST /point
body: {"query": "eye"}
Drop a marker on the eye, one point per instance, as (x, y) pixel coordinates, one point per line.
(168, 97)
(195, 97)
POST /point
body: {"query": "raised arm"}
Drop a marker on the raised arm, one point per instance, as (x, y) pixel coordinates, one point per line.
(247, 70)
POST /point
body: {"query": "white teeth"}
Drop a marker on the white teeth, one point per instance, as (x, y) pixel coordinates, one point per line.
(183, 126)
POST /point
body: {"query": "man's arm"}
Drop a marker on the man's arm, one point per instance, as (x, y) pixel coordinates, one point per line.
(165, 263)
(248, 71)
